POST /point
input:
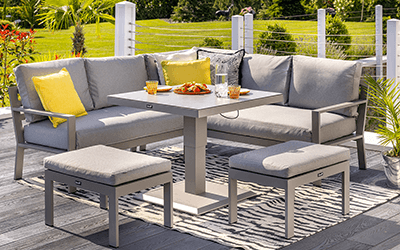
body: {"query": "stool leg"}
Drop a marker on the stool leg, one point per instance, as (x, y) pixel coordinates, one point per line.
(103, 201)
(168, 204)
(49, 202)
(232, 200)
(345, 192)
(317, 183)
(289, 210)
(113, 225)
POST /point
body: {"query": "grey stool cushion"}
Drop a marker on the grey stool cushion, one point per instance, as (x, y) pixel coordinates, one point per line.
(289, 159)
(106, 165)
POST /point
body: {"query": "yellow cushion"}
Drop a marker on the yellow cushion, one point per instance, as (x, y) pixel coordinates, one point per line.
(177, 72)
(57, 94)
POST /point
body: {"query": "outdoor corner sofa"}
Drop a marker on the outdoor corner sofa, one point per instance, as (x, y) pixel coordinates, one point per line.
(322, 103)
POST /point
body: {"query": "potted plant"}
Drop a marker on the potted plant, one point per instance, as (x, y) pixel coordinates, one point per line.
(385, 98)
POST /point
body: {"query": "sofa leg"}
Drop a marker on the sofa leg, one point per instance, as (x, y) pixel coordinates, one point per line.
(133, 149)
(71, 189)
(317, 183)
(362, 162)
(19, 163)
(142, 147)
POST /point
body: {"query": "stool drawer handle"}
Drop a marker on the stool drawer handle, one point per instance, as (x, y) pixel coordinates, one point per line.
(78, 183)
(320, 174)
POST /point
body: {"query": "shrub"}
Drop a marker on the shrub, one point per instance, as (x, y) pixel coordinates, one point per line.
(276, 38)
(194, 11)
(78, 41)
(212, 43)
(15, 48)
(8, 25)
(336, 32)
(307, 45)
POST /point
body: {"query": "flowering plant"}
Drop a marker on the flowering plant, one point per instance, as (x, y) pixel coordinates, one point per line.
(15, 48)
(246, 10)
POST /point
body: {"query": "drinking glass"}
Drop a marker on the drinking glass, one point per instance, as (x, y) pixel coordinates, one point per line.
(234, 91)
(221, 85)
(152, 87)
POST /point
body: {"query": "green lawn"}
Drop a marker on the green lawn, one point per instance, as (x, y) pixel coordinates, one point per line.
(158, 35)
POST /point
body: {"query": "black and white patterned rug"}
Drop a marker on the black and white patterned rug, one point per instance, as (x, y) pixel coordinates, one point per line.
(261, 219)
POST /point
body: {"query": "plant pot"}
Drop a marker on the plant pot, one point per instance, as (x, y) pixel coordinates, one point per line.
(392, 170)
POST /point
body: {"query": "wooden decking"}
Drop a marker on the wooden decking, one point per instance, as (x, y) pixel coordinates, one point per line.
(80, 226)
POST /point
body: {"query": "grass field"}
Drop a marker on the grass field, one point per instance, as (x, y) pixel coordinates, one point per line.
(158, 35)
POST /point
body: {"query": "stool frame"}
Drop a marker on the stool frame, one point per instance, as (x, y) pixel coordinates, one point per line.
(110, 193)
(289, 185)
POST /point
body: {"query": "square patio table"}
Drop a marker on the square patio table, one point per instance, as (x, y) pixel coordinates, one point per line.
(194, 195)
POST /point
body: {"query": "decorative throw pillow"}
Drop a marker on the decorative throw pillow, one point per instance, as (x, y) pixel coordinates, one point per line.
(57, 94)
(186, 55)
(230, 62)
(176, 73)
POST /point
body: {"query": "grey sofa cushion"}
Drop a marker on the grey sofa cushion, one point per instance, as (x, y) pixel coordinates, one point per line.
(107, 165)
(104, 126)
(151, 67)
(289, 159)
(268, 73)
(29, 96)
(113, 75)
(231, 61)
(320, 82)
(282, 123)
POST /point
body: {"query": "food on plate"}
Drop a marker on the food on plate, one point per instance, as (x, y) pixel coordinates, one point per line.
(192, 87)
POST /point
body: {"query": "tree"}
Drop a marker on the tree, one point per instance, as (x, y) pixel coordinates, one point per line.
(152, 9)
(61, 14)
(194, 11)
(29, 11)
(285, 8)
(78, 41)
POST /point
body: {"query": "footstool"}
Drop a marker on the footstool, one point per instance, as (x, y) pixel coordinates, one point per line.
(111, 172)
(288, 165)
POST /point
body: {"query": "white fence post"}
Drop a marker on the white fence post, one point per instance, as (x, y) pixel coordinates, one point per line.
(378, 40)
(237, 32)
(248, 33)
(321, 33)
(125, 17)
(393, 49)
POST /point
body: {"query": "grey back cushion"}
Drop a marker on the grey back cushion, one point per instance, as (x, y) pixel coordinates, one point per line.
(29, 96)
(268, 73)
(320, 82)
(227, 60)
(151, 67)
(114, 75)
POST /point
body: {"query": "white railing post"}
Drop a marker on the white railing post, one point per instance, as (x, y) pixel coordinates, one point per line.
(393, 49)
(321, 33)
(378, 40)
(125, 17)
(237, 32)
(248, 33)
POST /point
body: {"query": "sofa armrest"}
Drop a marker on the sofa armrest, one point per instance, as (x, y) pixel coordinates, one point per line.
(316, 117)
(71, 122)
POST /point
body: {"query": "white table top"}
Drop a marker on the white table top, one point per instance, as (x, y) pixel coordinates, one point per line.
(196, 106)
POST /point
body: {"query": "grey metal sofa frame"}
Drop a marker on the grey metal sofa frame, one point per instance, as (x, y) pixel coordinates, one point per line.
(358, 136)
(18, 116)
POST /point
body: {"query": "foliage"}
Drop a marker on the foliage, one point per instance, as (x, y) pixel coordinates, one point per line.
(385, 94)
(151, 9)
(276, 38)
(246, 10)
(14, 12)
(307, 45)
(28, 12)
(7, 24)
(15, 48)
(336, 31)
(239, 5)
(78, 41)
(342, 7)
(212, 43)
(61, 14)
(194, 11)
(285, 8)
(312, 6)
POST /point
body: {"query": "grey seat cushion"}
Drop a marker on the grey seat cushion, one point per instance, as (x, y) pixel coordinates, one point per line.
(282, 123)
(265, 72)
(321, 82)
(107, 165)
(104, 126)
(114, 75)
(29, 96)
(289, 159)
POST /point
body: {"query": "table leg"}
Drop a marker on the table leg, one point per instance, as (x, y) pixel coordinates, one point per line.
(195, 141)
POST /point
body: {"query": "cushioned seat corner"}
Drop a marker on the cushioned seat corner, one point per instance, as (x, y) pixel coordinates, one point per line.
(289, 159)
(107, 165)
